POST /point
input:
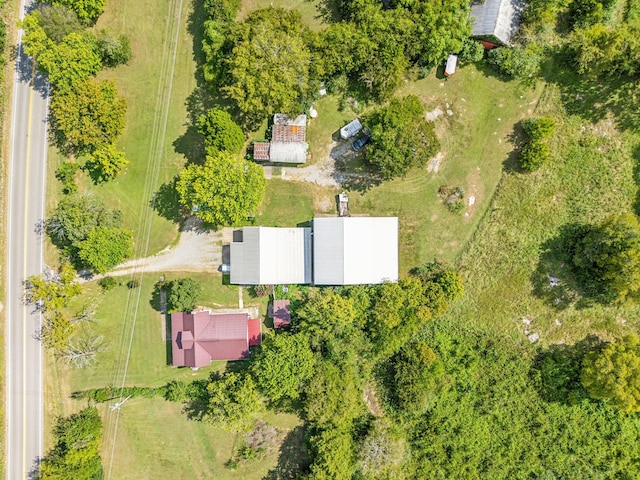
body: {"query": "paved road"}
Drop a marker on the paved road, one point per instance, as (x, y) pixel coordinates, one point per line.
(24, 257)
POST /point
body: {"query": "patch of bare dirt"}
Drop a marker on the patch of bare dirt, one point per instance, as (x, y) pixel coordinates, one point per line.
(371, 400)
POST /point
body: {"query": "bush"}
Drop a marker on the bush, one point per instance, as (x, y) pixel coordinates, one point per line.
(133, 284)
(220, 132)
(113, 51)
(107, 283)
(472, 51)
(66, 174)
(516, 61)
(538, 128)
(533, 155)
(182, 295)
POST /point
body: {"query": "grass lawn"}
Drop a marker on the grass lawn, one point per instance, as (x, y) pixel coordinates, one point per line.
(507, 265)
(156, 84)
(475, 146)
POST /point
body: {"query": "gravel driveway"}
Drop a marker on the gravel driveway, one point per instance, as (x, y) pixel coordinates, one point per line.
(197, 251)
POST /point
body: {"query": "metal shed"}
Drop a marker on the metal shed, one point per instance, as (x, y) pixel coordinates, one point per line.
(496, 19)
(350, 129)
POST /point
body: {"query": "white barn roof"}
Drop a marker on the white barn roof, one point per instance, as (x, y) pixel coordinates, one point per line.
(270, 255)
(355, 250)
(499, 18)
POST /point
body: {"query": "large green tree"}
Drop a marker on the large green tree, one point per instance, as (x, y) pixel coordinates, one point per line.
(105, 163)
(76, 452)
(401, 138)
(87, 11)
(223, 191)
(87, 117)
(607, 259)
(283, 366)
(75, 216)
(182, 294)
(613, 374)
(220, 132)
(105, 247)
(234, 402)
(268, 66)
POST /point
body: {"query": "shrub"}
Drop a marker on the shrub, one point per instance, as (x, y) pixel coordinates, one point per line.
(220, 132)
(533, 155)
(472, 51)
(133, 284)
(107, 283)
(516, 61)
(66, 174)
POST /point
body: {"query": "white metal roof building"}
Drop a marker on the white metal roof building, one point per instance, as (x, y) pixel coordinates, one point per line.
(496, 18)
(350, 129)
(355, 250)
(271, 256)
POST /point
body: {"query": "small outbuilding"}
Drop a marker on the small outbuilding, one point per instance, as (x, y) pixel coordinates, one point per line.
(450, 67)
(281, 313)
(495, 21)
(288, 141)
(350, 129)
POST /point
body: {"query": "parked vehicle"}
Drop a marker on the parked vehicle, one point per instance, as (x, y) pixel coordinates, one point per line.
(360, 142)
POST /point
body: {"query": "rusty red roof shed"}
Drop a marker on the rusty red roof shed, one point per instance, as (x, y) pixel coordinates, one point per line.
(281, 313)
(200, 337)
(261, 151)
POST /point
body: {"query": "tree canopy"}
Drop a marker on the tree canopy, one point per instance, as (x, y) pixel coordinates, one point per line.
(87, 117)
(105, 247)
(105, 163)
(220, 132)
(613, 374)
(401, 138)
(223, 191)
(76, 452)
(269, 67)
(607, 258)
(87, 11)
(182, 294)
(234, 402)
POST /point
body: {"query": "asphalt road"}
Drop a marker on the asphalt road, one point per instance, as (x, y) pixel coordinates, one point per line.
(24, 388)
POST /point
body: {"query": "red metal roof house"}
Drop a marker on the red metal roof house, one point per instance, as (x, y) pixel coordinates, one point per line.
(200, 337)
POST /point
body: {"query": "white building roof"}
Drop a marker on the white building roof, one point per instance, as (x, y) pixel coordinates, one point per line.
(450, 68)
(288, 152)
(350, 129)
(496, 17)
(270, 255)
(355, 250)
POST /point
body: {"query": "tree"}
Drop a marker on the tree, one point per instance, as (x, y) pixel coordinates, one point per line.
(223, 191)
(76, 453)
(66, 174)
(56, 331)
(220, 132)
(333, 395)
(105, 163)
(607, 258)
(401, 138)
(113, 50)
(234, 402)
(105, 247)
(269, 66)
(57, 21)
(82, 353)
(613, 374)
(472, 51)
(53, 293)
(71, 61)
(535, 151)
(283, 366)
(87, 117)
(333, 455)
(75, 216)
(516, 61)
(182, 295)
(382, 451)
(418, 374)
(87, 11)
(448, 279)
